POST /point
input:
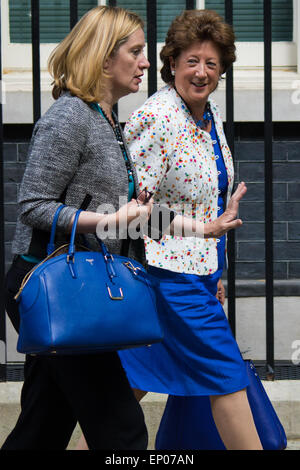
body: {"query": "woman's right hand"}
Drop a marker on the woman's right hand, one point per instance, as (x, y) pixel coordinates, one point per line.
(227, 221)
(89, 222)
(132, 210)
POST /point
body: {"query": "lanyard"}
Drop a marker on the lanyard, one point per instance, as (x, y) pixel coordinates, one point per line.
(120, 141)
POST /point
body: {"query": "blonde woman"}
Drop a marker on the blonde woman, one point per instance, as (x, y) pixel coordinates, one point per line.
(76, 157)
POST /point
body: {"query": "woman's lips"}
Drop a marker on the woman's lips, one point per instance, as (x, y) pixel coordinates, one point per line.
(199, 85)
(139, 78)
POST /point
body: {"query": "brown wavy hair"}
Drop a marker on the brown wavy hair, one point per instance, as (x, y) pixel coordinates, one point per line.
(197, 25)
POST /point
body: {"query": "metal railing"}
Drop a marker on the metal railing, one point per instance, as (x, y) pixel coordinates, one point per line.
(269, 273)
(230, 133)
(2, 238)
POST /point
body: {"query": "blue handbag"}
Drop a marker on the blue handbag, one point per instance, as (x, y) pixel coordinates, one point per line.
(187, 422)
(77, 302)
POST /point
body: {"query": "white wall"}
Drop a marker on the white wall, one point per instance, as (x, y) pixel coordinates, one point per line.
(248, 78)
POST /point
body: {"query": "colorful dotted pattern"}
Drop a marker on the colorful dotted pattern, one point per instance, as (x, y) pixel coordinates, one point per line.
(175, 159)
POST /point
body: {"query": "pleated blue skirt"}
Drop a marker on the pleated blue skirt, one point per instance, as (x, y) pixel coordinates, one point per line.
(198, 355)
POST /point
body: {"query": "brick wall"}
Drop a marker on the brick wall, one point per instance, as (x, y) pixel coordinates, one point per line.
(250, 251)
(250, 243)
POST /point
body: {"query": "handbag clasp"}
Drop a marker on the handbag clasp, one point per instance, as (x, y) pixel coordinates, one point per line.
(133, 268)
(115, 297)
(70, 257)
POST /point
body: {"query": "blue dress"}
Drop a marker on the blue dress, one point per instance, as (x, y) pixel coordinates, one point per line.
(198, 355)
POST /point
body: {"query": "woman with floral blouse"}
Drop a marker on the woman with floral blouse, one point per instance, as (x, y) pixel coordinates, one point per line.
(180, 152)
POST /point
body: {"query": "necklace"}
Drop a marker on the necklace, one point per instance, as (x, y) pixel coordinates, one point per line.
(207, 117)
(112, 121)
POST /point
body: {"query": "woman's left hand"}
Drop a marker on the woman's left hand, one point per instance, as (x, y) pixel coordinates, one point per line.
(227, 221)
(220, 295)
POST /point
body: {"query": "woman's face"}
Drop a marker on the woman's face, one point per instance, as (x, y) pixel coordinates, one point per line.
(127, 66)
(197, 72)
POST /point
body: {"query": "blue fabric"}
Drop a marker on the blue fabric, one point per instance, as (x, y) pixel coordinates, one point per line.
(223, 185)
(187, 422)
(31, 259)
(198, 355)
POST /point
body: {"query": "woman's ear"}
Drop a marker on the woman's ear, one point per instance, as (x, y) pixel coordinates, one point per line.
(172, 64)
(107, 63)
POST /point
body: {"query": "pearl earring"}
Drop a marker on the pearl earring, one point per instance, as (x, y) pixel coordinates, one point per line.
(173, 73)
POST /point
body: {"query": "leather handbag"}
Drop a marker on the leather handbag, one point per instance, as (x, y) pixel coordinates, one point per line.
(187, 422)
(77, 302)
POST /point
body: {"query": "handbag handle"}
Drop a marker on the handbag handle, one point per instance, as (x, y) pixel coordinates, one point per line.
(71, 250)
(115, 291)
(108, 258)
(51, 246)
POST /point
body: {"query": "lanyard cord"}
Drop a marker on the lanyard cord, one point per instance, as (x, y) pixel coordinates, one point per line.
(119, 138)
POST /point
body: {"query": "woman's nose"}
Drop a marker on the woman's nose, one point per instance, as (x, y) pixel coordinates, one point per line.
(201, 71)
(144, 64)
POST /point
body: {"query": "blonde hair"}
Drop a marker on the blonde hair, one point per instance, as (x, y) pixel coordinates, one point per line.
(77, 63)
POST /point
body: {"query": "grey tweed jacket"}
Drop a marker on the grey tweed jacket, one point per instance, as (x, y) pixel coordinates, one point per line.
(73, 153)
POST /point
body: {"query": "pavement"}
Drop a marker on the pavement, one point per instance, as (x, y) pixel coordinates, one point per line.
(293, 445)
(284, 395)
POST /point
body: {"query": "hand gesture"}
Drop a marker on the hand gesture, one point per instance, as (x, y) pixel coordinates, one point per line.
(227, 220)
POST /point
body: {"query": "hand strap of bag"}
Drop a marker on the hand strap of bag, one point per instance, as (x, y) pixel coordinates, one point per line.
(71, 251)
(115, 291)
(51, 245)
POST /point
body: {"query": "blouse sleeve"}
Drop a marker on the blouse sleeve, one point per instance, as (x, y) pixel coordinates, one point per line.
(150, 140)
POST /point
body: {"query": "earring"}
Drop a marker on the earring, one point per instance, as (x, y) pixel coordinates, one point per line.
(173, 73)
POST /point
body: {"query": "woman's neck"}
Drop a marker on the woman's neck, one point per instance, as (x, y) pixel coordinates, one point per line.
(107, 108)
(196, 110)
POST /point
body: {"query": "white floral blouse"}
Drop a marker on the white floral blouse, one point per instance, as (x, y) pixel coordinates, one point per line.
(175, 160)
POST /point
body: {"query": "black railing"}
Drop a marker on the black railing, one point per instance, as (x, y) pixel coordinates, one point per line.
(73, 13)
(230, 133)
(2, 238)
(230, 139)
(152, 46)
(36, 70)
(269, 189)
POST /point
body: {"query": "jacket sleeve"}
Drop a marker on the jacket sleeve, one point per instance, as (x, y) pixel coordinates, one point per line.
(57, 143)
(150, 141)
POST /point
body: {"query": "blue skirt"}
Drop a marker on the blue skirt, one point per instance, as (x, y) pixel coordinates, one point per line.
(199, 355)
